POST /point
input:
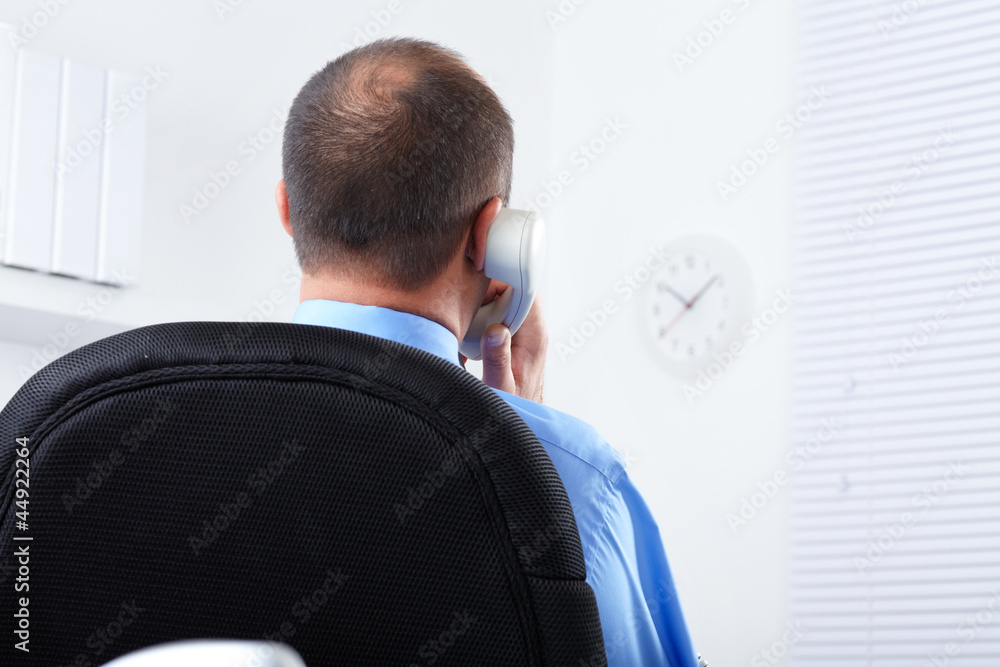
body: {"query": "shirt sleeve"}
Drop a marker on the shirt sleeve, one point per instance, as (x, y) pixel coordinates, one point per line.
(641, 615)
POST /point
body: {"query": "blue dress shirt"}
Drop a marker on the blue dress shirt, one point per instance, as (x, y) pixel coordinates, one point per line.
(626, 565)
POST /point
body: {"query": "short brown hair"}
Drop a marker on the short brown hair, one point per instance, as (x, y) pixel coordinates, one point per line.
(390, 152)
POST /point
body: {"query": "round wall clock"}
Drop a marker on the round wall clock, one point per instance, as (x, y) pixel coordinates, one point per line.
(698, 299)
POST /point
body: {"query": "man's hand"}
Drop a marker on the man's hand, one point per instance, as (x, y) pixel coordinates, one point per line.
(517, 364)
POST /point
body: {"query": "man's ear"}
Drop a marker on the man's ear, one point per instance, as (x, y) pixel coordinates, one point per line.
(477, 242)
(281, 199)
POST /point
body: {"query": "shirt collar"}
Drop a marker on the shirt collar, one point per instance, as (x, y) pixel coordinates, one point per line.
(406, 328)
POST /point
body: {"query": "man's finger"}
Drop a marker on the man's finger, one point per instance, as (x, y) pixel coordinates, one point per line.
(496, 358)
(495, 289)
(527, 351)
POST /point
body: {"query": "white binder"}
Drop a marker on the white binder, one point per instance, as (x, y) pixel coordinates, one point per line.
(31, 203)
(122, 183)
(8, 71)
(82, 134)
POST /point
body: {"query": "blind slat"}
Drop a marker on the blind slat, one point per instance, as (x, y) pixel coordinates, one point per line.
(890, 552)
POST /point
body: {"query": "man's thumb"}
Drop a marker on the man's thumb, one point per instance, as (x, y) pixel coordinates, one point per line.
(496, 358)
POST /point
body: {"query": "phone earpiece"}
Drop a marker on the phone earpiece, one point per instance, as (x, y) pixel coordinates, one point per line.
(515, 252)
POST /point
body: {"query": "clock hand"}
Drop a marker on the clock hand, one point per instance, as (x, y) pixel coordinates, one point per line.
(676, 294)
(703, 290)
(666, 329)
(688, 306)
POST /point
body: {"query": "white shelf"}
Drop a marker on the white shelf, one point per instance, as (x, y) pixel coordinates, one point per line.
(35, 307)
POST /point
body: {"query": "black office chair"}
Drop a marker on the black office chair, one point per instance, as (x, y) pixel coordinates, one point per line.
(360, 500)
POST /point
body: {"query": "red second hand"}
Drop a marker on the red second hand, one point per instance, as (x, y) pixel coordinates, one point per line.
(666, 329)
(687, 306)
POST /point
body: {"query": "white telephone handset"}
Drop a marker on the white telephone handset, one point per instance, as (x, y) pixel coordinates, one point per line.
(515, 250)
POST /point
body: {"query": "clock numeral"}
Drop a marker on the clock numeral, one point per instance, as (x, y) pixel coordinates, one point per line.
(697, 280)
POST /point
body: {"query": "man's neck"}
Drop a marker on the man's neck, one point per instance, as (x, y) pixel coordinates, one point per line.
(439, 302)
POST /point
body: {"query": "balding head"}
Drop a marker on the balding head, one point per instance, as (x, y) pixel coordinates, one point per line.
(390, 152)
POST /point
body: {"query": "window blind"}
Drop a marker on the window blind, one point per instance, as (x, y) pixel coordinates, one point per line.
(895, 520)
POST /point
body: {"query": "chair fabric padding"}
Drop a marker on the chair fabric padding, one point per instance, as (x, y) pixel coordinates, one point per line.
(361, 500)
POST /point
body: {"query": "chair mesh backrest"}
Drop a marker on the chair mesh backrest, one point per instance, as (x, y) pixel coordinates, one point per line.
(361, 500)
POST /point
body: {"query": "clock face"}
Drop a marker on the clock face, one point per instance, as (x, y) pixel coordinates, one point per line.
(696, 302)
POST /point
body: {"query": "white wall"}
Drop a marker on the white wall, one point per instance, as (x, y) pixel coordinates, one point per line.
(13, 355)
(608, 59)
(685, 131)
(228, 77)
